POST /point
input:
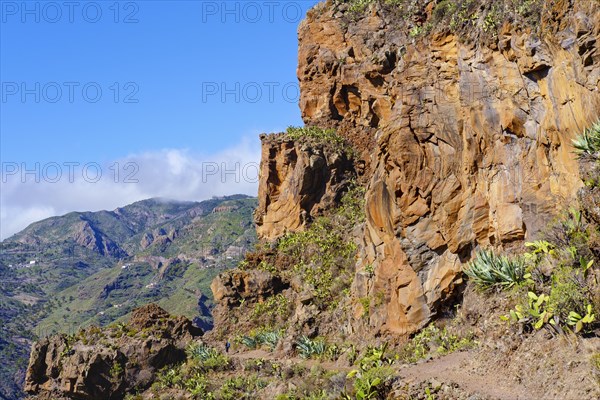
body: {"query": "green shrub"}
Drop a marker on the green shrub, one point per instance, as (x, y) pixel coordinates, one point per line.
(241, 387)
(116, 372)
(570, 297)
(277, 305)
(374, 382)
(325, 259)
(433, 340)
(352, 208)
(206, 358)
(198, 386)
(262, 337)
(375, 356)
(359, 6)
(308, 348)
(169, 378)
(328, 136)
(489, 270)
(568, 302)
(588, 143)
(535, 313)
(365, 302)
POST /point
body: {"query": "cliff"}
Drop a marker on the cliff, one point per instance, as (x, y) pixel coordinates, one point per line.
(298, 180)
(466, 138)
(434, 129)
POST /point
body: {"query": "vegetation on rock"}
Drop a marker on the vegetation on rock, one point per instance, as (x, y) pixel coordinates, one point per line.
(458, 16)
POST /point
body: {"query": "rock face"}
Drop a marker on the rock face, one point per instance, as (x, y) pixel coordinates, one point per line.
(472, 144)
(103, 364)
(230, 287)
(86, 236)
(297, 180)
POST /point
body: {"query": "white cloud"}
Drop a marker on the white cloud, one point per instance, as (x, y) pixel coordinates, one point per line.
(171, 173)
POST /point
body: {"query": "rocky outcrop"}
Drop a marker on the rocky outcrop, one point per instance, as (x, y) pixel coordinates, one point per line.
(297, 180)
(472, 144)
(230, 287)
(102, 364)
(85, 235)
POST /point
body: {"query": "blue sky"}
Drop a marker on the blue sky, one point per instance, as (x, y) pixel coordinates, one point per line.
(161, 67)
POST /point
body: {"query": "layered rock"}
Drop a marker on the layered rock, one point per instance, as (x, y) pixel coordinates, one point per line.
(87, 236)
(230, 287)
(472, 145)
(297, 180)
(103, 364)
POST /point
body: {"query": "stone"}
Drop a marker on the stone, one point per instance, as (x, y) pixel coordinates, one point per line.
(83, 366)
(296, 182)
(473, 145)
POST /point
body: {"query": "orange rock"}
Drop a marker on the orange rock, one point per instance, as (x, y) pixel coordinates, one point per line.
(473, 143)
(298, 179)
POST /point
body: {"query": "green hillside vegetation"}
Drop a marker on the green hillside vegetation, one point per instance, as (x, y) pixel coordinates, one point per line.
(95, 267)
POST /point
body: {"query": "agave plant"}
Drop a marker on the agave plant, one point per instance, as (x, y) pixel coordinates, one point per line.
(269, 339)
(201, 352)
(249, 342)
(308, 348)
(588, 143)
(488, 270)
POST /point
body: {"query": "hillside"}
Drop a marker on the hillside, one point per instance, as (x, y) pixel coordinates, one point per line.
(67, 272)
(432, 232)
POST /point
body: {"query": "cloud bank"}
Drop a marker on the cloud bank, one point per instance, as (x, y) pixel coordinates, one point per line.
(31, 192)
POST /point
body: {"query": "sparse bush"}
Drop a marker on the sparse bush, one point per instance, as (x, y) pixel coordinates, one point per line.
(274, 306)
(563, 293)
(571, 298)
(432, 340)
(206, 358)
(375, 356)
(459, 16)
(374, 383)
(328, 136)
(534, 313)
(365, 302)
(169, 378)
(352, 208)
(240, 387)
(116, 372)
(359, 6)
(197, 385)
(325, 257)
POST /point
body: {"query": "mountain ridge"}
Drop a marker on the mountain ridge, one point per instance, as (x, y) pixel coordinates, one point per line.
(81, 268)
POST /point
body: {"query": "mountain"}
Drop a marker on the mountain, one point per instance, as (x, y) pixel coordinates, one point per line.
(433, 231)
(83, 268)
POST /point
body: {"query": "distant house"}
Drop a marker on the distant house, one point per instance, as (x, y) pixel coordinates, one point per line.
(32, 262)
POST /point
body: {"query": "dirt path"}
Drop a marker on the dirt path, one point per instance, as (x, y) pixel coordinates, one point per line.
(265, 355)
(453, 368)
